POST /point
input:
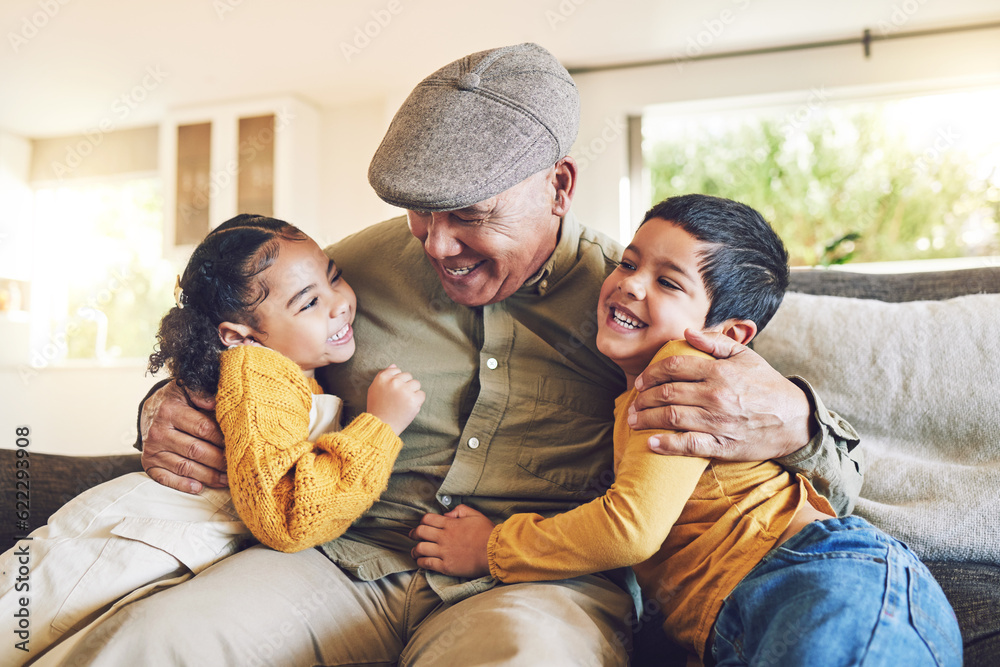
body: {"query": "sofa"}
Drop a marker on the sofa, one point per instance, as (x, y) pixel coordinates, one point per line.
(906, 358)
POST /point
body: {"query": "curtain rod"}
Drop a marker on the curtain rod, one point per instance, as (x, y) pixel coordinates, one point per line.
(865, 40)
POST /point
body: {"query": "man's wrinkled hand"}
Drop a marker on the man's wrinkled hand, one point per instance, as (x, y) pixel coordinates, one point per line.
(182, 446)
(734, 407)
(454, 543)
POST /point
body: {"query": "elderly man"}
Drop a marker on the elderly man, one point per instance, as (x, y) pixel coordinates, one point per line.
(486, 292)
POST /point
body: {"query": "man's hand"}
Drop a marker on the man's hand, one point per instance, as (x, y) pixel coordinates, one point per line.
(734, 407)
(182, 446)
(453, 543)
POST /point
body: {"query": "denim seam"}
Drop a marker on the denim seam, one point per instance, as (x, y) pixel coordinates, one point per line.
(736, 645)
(916, 611)
(886, 595)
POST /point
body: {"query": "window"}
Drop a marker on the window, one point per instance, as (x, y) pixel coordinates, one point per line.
(844, 180)
(99, 285)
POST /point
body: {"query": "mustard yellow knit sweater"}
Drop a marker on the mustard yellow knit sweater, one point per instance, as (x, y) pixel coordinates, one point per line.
(292, 493)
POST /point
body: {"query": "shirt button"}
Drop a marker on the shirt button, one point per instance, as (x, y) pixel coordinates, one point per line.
(473, 443)
(544, 284)
(491, 363)
(446, 500)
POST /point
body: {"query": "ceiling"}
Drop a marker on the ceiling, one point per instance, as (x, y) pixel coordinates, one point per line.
(68, 65)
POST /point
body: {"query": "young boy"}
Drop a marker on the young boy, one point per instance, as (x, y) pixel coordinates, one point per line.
(747, 562)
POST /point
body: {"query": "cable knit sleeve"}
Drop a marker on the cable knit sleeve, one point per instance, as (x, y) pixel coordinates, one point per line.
(292, 493)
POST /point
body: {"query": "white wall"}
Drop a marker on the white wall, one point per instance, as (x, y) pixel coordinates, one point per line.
(80, 410)
(350, 136)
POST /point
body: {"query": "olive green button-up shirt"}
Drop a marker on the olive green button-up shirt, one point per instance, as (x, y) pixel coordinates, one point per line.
(519, 407)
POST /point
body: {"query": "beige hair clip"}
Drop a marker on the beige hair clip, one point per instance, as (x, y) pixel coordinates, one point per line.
(179, 298)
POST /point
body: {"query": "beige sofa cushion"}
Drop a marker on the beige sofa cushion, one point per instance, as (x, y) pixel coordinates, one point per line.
(920, 381)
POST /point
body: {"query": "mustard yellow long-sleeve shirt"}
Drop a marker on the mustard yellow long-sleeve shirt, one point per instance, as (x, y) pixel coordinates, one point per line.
(691, 528)
(292, 493)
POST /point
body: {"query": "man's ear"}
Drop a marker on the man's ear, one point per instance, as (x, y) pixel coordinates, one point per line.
(231, 334)
(564, 177)
(742, 331)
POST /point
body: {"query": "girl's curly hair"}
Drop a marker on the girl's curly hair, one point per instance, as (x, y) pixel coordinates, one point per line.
(220, 284)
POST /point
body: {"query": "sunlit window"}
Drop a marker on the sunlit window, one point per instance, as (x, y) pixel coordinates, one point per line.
(99, 284)
(845, 181)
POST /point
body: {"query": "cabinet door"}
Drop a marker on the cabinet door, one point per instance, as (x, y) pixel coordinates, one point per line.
(255, 182)
(194, 164)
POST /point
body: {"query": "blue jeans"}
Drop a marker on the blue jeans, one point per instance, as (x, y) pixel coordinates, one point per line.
(840, 592)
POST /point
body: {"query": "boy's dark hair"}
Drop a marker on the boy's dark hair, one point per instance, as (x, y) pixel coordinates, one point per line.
(745, 267)
(219, 285)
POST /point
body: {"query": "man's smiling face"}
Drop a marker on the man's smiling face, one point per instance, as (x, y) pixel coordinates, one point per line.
(483, 253)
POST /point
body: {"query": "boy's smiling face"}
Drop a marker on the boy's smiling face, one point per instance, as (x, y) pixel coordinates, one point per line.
(653, 296)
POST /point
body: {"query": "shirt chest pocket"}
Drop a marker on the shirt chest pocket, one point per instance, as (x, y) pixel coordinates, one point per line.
(567, 442)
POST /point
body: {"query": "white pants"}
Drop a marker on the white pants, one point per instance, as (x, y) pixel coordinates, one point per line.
(263, 607)
(111, 540)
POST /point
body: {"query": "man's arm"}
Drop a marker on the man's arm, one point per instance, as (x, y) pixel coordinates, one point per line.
(182, 446)
(142, 404)
(735, 407)
(832, 460)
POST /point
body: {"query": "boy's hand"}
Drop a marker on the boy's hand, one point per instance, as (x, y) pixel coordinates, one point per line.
(395, 398)
(453, 543)
(734, 407)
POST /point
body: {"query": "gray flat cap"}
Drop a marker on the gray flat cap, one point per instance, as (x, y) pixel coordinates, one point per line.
(475, 128)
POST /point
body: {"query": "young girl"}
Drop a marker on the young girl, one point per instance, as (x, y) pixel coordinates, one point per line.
(259, 308)
(747, 562)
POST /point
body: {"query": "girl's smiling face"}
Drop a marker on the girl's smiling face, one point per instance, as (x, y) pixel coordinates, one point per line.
(308, 312)
(653, 296)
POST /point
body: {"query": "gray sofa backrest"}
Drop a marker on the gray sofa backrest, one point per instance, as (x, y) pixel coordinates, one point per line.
(897, 287)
